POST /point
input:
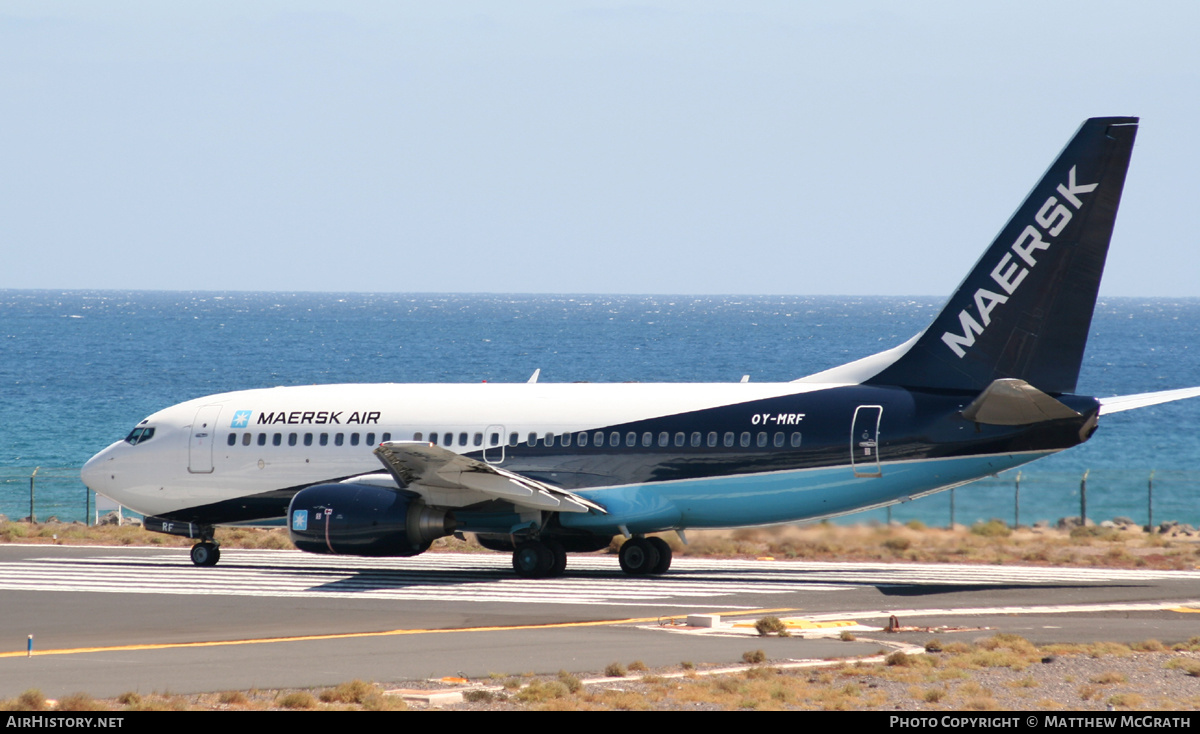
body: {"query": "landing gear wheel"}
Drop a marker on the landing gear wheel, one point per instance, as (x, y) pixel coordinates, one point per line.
(638, 557)
(533, 560)
(560, 558)
(664, 555)
(206, 554)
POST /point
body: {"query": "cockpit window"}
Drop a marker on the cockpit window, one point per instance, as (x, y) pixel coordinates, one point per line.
(141, 434)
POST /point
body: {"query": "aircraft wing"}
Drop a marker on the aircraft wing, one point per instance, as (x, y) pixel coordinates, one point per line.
(447, 479)
(1118, 403)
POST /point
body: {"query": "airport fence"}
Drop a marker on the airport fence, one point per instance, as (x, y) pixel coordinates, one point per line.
(1145, 497)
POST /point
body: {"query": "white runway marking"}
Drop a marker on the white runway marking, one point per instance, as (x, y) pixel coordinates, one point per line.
(489, 577)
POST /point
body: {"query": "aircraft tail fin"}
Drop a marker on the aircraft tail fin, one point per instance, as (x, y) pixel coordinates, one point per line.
(1024, 311)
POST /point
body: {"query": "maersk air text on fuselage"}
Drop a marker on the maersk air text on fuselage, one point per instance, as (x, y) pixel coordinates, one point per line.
(541, 469)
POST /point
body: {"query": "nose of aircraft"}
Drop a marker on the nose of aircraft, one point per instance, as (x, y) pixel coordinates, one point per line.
(96, 473)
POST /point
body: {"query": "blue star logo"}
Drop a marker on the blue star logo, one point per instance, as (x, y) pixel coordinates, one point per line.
(300, 520)
(241, 419)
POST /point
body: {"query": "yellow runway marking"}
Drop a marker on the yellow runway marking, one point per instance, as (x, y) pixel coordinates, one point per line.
(352, 635)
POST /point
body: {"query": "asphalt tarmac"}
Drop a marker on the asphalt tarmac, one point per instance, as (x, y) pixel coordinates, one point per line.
(110, 620)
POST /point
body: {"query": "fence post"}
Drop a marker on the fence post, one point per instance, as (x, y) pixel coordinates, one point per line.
(1017, 504)
(951, 509)
(1083, 499)
(1150, 503)
(32, 517)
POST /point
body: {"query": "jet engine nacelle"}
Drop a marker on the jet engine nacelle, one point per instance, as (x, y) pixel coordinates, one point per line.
(364, 520)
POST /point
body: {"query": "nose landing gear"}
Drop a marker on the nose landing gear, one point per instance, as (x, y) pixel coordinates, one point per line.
(206, 553)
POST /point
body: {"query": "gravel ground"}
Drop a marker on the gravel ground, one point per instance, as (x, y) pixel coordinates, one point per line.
(1121, 680)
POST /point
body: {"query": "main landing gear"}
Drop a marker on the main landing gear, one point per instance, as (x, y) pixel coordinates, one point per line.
(643, 556)
(206, 553)
(543, 559)
(540, 559)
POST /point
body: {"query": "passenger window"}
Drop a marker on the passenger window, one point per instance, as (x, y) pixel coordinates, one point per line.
(762, 439)
(565, 439)
(494, 440)
(664, 439)
(728, 439)
(386, 437)
(262, 439)
(712, 439)
(339, 439)
(695, 439)
(548, 439)
(745, 440)
(513, 439)
(308, 439)
(353, 439)
(478, 439)
(232, 439)
(277, 439)
(370, 439)
(631, 439)
(418, 436)
(246, 438)
(291, 439)
(324, 439)
(532, 438)
(598, 439)
(614, 439)
(581, 440)
(795, 440)
(647, 439)
(462, 438)
(680, 439)
(433, 438)
(778, 439)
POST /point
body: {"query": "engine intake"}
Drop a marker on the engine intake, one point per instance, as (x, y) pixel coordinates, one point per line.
(364, 520)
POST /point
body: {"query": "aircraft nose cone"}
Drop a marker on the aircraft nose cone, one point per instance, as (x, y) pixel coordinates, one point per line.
(94, 471)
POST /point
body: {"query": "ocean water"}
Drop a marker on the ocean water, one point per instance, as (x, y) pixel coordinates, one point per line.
(78, 369)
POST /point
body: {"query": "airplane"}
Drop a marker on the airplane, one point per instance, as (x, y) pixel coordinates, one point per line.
(542, 469)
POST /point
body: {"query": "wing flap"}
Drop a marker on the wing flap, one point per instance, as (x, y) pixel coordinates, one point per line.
(448, 479)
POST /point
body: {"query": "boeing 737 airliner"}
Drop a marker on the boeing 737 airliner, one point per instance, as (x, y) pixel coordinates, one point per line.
(543, 469)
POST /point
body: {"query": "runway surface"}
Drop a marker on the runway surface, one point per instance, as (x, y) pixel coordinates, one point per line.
(109, 620)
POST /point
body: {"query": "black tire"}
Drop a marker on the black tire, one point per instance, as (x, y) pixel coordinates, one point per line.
(532, 560)
(205, 554)
(638, 557)
(560, 558)
(664, 555)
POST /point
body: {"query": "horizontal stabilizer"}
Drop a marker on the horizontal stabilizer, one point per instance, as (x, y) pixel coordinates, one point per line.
(1118, 403)
(1012, 402)
(446, 479)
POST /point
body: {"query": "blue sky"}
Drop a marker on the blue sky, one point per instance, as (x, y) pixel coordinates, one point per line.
(590, 147)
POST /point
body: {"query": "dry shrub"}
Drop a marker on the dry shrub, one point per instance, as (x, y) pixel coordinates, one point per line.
(1108, 677)
(770, 626)
(541, 690)
(355, 691)
(991, 529)
(30, 700)
(80, 702)
(615, 670)
(754, 656)
(296, 700)
(1126, 701)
